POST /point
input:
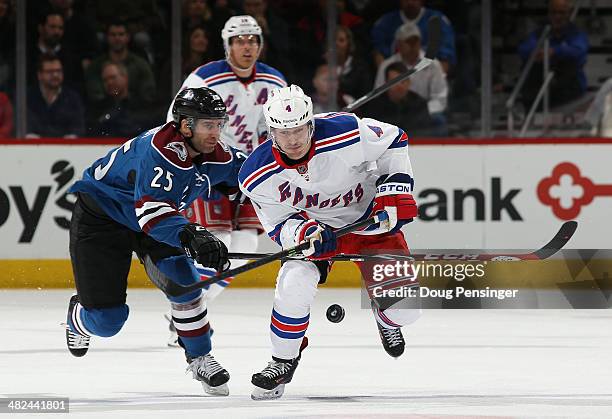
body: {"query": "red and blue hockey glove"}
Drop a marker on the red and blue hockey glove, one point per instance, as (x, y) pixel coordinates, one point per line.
(322, 238)
(393, 195)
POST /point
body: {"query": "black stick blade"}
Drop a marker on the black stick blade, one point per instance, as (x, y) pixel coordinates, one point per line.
(564, 234)
(434, 36)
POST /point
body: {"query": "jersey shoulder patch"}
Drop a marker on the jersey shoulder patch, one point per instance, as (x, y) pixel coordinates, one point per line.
(267, 74)
(258, 166)
(259, 158)
(213, 69)
(171, 146)
(335, 130)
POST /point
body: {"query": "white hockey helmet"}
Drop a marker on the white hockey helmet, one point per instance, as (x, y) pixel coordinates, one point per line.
(240, 25)
(288, 107)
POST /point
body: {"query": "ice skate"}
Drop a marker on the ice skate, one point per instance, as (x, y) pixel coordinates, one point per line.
(78, 343)
(210, 373)
(392, 340)
(270, 382)
(173, 338)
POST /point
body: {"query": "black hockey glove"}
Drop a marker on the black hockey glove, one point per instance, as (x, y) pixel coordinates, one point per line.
(205, 248)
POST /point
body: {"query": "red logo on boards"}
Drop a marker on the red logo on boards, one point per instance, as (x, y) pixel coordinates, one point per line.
(566, 191)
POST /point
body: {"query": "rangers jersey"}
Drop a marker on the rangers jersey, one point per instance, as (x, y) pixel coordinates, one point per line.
(336, 185)
(244, 100)
(144, 183)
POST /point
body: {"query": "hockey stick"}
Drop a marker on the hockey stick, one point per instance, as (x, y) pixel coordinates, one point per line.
(175, 290)
(560, 239)
(341, 257)
(565, 233)
(434, 30)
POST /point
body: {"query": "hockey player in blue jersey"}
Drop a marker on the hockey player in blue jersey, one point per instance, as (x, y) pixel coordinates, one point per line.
(317, 174)
(129, 201)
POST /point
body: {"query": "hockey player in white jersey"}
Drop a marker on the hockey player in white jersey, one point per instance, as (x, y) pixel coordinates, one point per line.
(244, 84)
(317, 174)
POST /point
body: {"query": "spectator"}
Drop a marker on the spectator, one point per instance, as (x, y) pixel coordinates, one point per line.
(401, 106)
(7, 45)
(353, 72)
(429, 83)
(79, 31)
(141, 18)
(196, 51)
(567, 53)
(196, 13)
(322, 89)
(199, 13)
(119, 114)
(412, 11)
(276, 36)
(50, 41)
(6, 116)
(311, 35)
(142, 81)
(54, 110)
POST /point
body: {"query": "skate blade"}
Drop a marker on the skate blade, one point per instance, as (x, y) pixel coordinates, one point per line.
(173, 342)
(263, 394)
(222, 390)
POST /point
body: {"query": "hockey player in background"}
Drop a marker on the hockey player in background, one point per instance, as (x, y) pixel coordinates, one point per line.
(243, 83)
(317, 174)
(129, 201)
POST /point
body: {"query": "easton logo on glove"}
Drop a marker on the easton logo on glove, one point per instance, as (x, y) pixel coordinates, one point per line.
(393, 188)
(393, 195)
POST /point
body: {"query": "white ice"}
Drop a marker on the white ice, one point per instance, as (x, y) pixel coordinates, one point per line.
(457, 362)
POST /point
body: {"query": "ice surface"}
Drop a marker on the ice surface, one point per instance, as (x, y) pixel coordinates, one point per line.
(457, 362)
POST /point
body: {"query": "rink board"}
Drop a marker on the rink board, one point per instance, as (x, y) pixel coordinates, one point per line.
(474, 193)
(590, 279)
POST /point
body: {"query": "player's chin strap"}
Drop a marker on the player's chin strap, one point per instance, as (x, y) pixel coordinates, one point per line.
(190, 143)
(191, 126)
(278, 147)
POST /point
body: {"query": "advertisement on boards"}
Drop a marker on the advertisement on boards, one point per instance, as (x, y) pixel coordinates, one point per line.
(487, 196)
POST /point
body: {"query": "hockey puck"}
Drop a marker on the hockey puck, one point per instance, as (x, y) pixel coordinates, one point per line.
(335, 313)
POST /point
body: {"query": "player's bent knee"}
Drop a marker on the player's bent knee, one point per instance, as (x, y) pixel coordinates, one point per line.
(107, 322)
(297, 282)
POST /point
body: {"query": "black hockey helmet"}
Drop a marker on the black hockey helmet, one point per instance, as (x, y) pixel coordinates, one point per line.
(198, 103)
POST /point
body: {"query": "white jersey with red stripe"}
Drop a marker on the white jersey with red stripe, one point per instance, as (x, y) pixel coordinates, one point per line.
(335, 185)
(244, 99)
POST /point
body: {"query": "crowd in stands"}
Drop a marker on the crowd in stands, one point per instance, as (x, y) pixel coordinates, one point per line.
(103, 68)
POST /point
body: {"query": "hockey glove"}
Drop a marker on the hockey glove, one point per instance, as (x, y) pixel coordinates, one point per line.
(322, 238)
(392, 195)
(200, 245)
